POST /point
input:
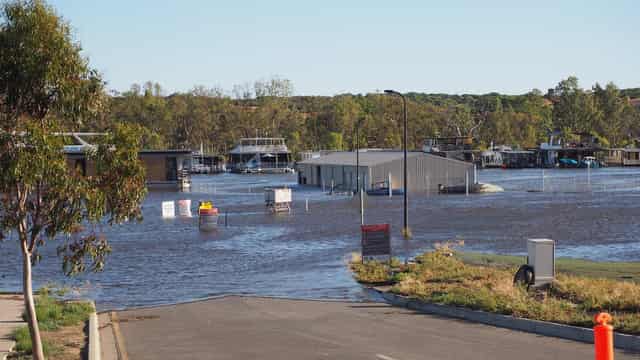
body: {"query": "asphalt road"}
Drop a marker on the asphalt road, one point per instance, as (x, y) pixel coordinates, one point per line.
(262, 328)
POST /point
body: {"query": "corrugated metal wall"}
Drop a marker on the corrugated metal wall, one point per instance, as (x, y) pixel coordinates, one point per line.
(426, 172)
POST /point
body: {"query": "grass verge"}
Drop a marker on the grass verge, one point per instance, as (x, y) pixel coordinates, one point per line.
(442, 277)
(62, 329)
(579, 267)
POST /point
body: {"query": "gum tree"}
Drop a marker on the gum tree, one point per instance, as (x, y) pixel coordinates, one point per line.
(46, 86)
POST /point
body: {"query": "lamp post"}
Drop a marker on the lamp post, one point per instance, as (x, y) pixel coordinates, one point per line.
(359, 188)
(405, 230)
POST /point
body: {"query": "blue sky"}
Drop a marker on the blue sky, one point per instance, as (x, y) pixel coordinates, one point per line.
(329, 47)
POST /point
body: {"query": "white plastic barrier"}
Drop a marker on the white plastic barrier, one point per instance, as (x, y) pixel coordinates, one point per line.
(168, 209)
(184, 208)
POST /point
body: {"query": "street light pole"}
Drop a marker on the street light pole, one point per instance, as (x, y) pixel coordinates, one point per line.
(405, 230)
(359, 188)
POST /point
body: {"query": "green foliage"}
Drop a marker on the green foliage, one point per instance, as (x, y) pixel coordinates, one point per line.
(23, 342)
(43, 74)
(335, 141)
(632, 92)
(41, 192)
(53, 314)
(44, 84)
(185, 120)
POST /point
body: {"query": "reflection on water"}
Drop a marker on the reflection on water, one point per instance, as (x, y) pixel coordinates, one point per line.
(303, 254)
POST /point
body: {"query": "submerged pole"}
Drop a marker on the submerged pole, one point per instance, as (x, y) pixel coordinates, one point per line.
(428, 186)
(542, 180)
(306, 204)
(466, 183)
(361, 207)
(390, 186)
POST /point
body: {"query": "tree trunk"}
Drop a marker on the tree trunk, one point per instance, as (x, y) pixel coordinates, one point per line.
(30, 306)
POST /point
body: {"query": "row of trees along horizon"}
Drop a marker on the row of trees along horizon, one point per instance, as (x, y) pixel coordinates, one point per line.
(217, 119)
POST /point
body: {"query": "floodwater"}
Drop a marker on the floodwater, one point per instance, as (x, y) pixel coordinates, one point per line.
(302, 254)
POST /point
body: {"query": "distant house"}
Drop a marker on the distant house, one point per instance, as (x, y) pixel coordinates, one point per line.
(425, 171)
(163, 168)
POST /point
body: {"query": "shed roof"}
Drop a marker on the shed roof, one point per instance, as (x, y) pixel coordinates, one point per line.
(367, 158)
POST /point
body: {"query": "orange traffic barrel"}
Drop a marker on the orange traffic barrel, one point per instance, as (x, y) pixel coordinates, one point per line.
(603, 337)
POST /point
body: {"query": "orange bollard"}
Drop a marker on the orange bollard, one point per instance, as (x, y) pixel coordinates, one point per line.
(603, 337)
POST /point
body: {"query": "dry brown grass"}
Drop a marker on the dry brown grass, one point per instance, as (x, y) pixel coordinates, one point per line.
(69, 342)
(444, 279)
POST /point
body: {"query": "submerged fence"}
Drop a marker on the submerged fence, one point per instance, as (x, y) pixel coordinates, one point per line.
(583, 183)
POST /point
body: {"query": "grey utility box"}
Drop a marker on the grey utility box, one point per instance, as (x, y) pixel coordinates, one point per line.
(542, 257)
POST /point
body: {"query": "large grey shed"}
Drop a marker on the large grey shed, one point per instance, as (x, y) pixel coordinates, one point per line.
(425, 171)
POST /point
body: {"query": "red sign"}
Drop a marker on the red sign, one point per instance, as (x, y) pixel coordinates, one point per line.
(376, 241)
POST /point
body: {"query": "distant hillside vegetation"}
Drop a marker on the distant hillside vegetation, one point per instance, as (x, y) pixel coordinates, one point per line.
(217, 119)
(632, 92)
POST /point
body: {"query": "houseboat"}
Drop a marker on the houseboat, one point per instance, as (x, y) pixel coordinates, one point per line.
(623, 157)
(163, 168)
(207, 163)
(454, 147)
(260, 155)
(566, 154)
(491, 159)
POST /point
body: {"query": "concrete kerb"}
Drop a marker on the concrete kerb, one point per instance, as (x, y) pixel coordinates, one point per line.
(95, 352)
(621, 341)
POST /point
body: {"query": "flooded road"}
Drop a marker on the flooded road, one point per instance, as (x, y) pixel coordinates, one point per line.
(303, 254)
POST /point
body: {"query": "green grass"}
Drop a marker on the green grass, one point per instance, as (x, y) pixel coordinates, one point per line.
(485, 282)
(52, 314)
(595, 269)
(23, 343)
